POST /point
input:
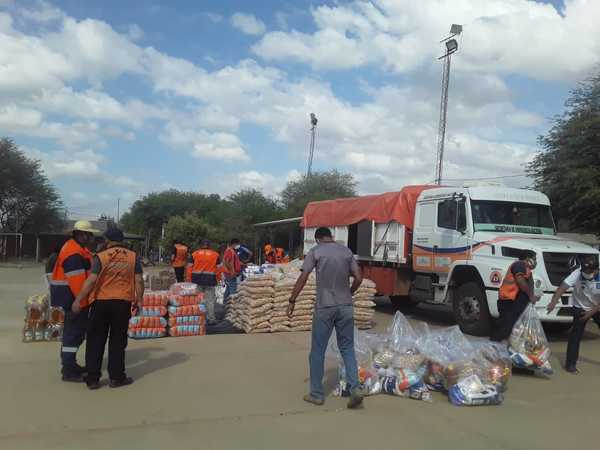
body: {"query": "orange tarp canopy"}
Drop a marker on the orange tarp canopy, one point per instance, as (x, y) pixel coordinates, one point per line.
(381, 208)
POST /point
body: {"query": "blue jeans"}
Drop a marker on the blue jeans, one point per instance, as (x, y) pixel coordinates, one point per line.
(324, 321)
(230, 289)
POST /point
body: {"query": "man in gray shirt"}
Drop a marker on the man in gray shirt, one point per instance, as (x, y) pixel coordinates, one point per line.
(334, 264)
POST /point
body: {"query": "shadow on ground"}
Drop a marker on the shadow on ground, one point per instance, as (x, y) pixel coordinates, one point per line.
(144, 361)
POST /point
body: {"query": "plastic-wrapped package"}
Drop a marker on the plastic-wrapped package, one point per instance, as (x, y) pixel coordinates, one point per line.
(186, 320)
(408, 384)
(147, 322)
(370, 383)
(184, 289)
(53, 331)
(470, 391)
(187, 330)
(496, 363)
(185, 300)
(155, 298)
(36, 307)
(528, 347)
(56, 315)
(152, 311)
(191, 310)
(147, 333)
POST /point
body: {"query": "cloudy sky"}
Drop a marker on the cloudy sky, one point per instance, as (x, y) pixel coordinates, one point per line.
(118, 99)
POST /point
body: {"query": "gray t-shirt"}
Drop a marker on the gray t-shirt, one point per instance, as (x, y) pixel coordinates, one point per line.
(334, 263)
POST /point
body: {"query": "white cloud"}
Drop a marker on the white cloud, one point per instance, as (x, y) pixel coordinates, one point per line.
(134, 32)
(42, 12)
(248, 24)
(501, 36)
(57, 164)
(268, 183)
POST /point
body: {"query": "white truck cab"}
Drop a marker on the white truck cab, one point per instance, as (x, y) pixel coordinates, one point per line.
(466, 238)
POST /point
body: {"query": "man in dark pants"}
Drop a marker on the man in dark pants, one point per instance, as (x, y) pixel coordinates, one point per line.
(70, 271)
(516, 292)
(585, 283)
(179, 259)
(115, 283)
(334, 264)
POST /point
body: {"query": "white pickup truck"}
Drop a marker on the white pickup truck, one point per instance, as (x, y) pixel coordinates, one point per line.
(451, 245)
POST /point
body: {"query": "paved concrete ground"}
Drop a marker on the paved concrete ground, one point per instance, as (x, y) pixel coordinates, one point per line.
(245, 392)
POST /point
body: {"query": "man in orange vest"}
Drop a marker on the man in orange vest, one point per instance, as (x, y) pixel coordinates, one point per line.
(179, 259)
(204, 274)
(70, 271)
(516, 292)
(114, 285)
(269, 252)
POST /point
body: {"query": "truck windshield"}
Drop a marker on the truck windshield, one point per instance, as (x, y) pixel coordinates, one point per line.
(512, 217)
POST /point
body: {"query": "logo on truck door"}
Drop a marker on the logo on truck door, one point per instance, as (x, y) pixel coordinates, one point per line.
(495, 277)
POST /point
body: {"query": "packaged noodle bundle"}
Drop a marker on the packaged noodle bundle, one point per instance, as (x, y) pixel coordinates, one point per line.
(184, 289)
(185, 320)
(152, 311)
(528, 347)
(147, 333)
(185, 300)
(190, 310)
(155, 298)
(187, 330)
(147, 322)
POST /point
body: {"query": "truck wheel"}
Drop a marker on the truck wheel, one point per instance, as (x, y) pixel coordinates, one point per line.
(403, 302)
(471, 309)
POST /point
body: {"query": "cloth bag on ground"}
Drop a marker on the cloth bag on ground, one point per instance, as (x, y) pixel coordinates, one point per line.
(528, 346)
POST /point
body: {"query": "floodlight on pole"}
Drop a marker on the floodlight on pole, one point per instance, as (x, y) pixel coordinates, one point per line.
(311, 152)
(451, 45)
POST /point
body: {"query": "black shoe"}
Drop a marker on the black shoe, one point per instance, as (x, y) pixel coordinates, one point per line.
(92, 385)
(572, 369)
(70, 377)
(118, 383)
(79, 369)
(356, 400)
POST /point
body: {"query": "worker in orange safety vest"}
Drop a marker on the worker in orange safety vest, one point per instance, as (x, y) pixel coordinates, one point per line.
(204, 274)
(179, 259)
(269, 253)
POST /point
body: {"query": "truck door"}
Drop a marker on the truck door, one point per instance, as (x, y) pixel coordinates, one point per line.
(451, 240)
(422, 250)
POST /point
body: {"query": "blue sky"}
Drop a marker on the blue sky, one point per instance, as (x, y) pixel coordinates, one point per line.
(118, 99)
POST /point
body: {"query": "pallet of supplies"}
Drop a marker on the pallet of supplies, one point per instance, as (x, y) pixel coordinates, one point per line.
(149, 321)
(364, 305)
(254, 303)
(186, 311)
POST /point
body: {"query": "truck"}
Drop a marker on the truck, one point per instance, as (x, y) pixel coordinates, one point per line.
(451, 246)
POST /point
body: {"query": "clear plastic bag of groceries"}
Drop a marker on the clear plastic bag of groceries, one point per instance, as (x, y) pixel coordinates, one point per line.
(495, 362)
(472, 391)
(401, 350)
(449, 357)
(184, 289)
(527, 346)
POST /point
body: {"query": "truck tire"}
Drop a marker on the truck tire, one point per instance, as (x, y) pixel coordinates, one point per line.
(471, 309)
(403, 302)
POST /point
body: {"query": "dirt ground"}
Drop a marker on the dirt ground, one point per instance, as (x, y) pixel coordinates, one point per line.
(245, 392)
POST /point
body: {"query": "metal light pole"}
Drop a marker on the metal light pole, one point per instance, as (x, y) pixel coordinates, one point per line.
(451, 47)
(313, 132)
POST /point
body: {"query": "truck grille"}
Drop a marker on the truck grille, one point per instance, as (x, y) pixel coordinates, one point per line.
(560, 265)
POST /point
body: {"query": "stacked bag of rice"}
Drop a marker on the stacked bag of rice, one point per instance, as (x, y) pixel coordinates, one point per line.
(149, 321)
(187, 313)
(301, 320)
(254, 304)
(364, 305)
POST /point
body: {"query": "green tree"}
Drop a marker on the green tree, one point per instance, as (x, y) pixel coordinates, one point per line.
(568, 167)
(28, 202)
(247, 207)
(190, 229)
(318, 186)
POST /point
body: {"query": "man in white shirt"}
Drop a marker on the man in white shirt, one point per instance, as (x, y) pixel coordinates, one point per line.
(585, 283)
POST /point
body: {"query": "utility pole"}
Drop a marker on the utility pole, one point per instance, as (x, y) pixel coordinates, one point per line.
(118, 206)
(313, 132)
(451, 47)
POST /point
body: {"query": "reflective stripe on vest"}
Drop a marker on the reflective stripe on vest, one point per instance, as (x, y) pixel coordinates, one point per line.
(64, 286)
(510, 289)
(116, 280)
(181, 252)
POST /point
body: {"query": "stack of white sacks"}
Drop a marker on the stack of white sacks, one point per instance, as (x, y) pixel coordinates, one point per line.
(364, 304)
(301, 320)
(251, 307)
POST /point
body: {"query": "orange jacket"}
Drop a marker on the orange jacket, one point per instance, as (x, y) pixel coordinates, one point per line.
(181, 254)
(71, 269)
(509, 288)
(269, 254)
(116, 280)
(205, 261)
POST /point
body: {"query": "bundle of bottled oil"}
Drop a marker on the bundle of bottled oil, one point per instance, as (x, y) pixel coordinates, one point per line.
(42, 321)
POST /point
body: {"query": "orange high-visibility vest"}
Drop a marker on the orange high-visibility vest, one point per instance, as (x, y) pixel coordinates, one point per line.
(509, 288)
(205, 262)
(66, 282)
(269, 254)
(181, 252)
(116, 280)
